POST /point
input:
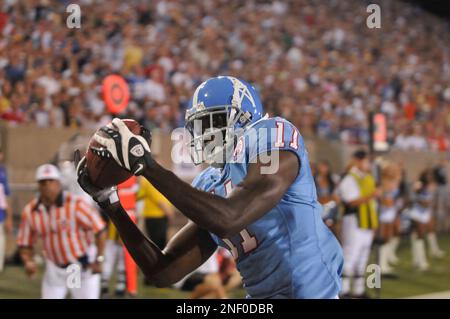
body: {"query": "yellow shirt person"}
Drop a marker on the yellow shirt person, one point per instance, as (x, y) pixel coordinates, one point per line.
(156, 210)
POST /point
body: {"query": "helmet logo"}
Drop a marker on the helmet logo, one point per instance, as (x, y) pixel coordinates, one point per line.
(240, 92)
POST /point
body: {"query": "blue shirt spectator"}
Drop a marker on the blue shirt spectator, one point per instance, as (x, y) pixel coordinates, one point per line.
(4, 193)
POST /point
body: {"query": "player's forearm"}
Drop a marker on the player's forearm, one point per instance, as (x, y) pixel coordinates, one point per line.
(145, 253)
(219, 215)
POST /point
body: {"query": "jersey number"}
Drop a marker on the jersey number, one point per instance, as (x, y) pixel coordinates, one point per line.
(248, 243)
(279, 142)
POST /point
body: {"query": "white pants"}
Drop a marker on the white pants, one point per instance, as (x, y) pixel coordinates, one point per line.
(82, 284)
(2, 245)
(114, 258)
(356, 244)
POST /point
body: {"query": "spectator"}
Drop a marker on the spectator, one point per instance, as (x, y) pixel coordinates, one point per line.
(14, 113)
(6, 220)
(412, 140)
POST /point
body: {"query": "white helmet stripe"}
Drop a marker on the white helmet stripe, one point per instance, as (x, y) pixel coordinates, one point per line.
(195, 97)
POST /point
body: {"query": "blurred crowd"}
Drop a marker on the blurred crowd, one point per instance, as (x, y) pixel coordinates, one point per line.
(314, 62)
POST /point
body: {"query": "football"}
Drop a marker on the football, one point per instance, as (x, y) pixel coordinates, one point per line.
(105, 172)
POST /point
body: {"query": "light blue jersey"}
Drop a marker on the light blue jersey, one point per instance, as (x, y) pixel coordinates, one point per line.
(289, 252)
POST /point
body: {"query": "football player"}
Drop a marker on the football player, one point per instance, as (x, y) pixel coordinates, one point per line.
(257, 198)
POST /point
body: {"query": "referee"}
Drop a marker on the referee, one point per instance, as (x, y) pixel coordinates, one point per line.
(72, 234)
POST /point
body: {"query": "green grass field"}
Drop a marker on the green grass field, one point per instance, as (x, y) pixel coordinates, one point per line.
(14, 283)
(411, 282)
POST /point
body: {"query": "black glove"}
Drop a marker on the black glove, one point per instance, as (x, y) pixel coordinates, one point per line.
(129, 150)
(104, 197)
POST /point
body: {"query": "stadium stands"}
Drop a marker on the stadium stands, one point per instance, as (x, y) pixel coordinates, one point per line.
(315, 63)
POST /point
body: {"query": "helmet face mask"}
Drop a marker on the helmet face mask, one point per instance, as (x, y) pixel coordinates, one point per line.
(213, 134)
